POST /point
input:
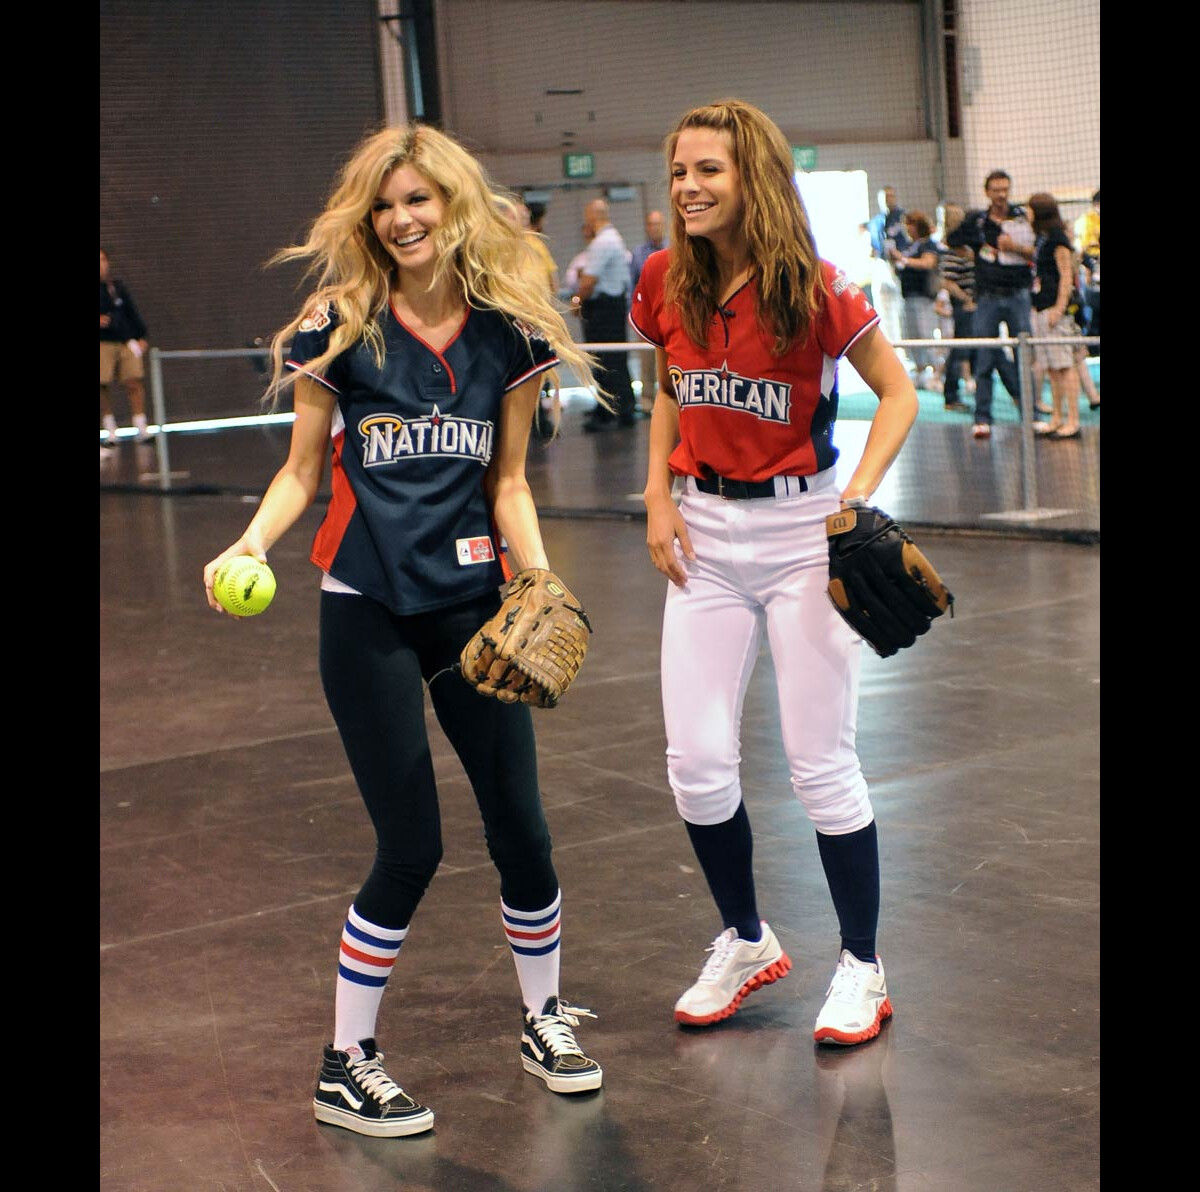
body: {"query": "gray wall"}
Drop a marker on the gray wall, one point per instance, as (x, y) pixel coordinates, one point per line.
(849, 78)
(221, 126)
(843, 77)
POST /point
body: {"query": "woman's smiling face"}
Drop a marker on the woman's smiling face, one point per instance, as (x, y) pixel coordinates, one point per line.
(706, 186)
(405, 212)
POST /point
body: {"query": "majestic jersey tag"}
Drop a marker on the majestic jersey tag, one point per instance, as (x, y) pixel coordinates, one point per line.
(474, 550)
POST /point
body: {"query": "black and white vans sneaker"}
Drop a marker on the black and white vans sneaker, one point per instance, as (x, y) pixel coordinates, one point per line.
(354, 1091)
(549, 1050)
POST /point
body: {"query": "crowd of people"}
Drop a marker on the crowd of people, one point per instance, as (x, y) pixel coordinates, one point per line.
(999, 268)
(1003, 267)
(965, 273)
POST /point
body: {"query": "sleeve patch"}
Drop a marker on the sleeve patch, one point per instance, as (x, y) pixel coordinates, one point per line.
(529, 332)
(317, 319)
(841, 283)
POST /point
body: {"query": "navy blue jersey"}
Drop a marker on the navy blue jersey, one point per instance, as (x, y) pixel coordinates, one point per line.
(979, 233)
(408, 523)
(919, 283)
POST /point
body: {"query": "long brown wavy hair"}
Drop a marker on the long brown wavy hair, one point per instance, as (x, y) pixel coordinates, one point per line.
(783, 256)
(489, 258)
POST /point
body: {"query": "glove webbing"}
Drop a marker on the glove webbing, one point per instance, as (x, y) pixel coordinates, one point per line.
(514, 612)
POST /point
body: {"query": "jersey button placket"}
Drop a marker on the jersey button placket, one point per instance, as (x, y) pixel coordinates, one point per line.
(437, 383)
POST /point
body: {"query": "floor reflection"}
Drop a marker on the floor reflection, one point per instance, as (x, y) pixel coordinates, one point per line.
(850, 1083)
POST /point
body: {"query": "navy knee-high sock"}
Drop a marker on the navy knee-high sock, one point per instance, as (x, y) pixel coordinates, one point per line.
(851, 865)
(724, 852)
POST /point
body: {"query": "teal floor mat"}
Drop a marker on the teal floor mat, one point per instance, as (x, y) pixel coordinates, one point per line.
(861, 404)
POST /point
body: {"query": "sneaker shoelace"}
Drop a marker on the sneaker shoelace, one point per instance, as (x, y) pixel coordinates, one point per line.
(847, 984)
(555, 1032)
(722, 949)
(374, 1080)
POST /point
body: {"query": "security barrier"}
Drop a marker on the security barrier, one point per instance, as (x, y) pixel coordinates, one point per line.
(1014, 482)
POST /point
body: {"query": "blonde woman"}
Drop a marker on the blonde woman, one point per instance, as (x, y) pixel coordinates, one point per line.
(749, 323)
(415, 365)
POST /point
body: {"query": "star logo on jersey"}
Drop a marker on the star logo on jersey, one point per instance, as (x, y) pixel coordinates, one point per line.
(768, 401)
(386, 439)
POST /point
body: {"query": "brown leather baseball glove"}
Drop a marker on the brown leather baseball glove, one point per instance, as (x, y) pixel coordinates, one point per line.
(532, 649)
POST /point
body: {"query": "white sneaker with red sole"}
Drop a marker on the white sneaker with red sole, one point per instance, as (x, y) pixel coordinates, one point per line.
(735, 968)
(856, 1002)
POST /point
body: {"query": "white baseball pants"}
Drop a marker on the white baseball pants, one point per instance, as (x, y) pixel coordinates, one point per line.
(761, 562)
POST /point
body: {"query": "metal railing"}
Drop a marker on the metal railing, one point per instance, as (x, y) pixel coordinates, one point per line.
(1022, 346)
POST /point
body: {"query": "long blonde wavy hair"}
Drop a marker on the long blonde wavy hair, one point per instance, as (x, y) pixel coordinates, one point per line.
(783, 256)
(480, 250)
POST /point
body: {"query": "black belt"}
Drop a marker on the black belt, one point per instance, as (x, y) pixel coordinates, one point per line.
(740, 490)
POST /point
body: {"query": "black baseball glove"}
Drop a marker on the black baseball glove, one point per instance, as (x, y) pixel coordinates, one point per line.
(886, 590)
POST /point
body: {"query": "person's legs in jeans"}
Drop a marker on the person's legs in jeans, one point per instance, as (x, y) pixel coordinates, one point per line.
(1016, 315)
(957, 356)
(985, 325)
(1091, 302)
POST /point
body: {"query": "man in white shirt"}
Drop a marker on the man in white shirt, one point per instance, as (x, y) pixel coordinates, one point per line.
(602, 296)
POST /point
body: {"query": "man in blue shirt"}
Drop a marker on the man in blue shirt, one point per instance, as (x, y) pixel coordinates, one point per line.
(656, 238)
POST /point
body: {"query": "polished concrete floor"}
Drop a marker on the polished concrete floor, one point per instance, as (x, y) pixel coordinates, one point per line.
(232, 840)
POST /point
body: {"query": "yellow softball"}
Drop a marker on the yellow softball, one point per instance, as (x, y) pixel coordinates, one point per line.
(244, 586)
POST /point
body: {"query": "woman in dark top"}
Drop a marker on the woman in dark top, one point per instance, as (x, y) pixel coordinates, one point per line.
(1054, 270)
(917, 268)
(415, 368)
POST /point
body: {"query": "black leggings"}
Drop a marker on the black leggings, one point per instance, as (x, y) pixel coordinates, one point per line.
(374, 667)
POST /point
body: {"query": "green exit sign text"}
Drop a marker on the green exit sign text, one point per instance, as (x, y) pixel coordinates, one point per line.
(578, 165)
(804, 157)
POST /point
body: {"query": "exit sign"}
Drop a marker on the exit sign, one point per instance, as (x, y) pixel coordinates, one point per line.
(578, 165)
(804, 157)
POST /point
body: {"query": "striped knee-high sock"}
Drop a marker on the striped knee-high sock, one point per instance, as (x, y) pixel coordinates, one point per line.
(533, 937)
(365, 962)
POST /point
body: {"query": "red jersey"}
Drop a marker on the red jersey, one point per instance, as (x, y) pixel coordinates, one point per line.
(744, 413)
